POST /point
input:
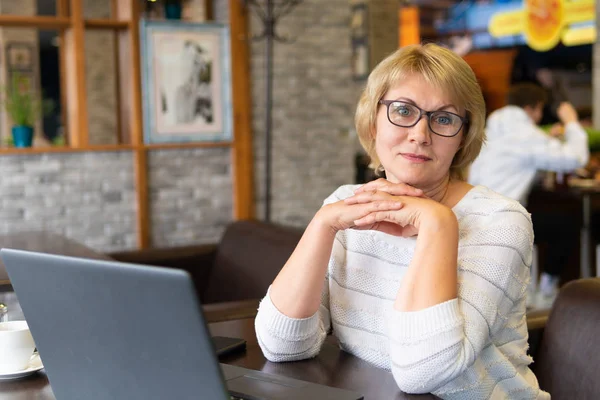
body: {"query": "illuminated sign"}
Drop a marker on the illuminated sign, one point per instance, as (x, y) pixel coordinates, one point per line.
(545, 23)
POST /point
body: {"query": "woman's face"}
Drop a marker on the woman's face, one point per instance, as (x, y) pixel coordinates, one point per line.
(416, 155)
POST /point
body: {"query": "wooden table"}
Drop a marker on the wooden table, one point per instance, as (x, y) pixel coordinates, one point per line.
(332, 367)
(45, 243)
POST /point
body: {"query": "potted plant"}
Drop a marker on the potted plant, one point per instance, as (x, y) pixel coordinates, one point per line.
(173, 9)
(24, 107)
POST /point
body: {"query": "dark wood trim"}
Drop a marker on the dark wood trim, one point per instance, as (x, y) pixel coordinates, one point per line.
(208, 10)
(105, 24)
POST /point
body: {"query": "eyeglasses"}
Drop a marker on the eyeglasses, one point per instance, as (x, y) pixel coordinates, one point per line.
(442, 123)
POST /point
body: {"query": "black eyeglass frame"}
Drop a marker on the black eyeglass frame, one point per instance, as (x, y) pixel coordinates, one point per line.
(464, 121)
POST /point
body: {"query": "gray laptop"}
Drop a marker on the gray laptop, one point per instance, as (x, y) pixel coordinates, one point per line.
(108, 330)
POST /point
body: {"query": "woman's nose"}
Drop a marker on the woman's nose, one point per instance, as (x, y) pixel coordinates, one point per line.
(420, 133)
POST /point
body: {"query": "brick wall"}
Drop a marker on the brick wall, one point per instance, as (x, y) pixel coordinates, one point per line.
(88, 197)
(313, 107)
(191, 197)
(383, 29)
(100, 76)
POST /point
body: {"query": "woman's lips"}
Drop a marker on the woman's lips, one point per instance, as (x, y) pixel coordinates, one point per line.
(416, 158)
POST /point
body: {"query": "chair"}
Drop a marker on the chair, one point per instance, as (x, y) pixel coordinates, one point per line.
(567, 360)
(231, 276)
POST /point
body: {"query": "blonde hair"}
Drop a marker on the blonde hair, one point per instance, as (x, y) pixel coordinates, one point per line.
(441, 68)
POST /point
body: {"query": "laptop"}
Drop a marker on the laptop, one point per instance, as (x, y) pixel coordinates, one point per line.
(109, 330)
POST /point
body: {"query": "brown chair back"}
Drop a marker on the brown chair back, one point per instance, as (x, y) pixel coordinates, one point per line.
(568, 361)
(249, 257)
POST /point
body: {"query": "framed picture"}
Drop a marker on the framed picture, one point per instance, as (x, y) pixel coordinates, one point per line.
(19, 56)
(186, 81)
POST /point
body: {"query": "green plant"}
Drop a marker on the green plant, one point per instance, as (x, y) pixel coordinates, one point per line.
(24, 105)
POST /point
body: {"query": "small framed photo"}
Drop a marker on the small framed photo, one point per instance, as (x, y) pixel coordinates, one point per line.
(359, 31)
(186, 81)
(19, 56)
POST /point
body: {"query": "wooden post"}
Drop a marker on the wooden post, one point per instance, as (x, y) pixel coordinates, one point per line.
(131, 106)
(243, 185)
(74, 43)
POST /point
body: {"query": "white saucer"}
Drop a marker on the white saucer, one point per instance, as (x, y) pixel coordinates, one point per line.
(35, 364)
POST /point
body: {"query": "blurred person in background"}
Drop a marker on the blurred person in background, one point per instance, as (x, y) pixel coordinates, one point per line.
(516, 149)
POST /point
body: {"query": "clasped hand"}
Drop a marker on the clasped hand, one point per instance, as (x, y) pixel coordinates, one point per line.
(394, 208)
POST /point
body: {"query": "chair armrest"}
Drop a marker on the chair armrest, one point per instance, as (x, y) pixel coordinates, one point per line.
(175, 257)
(230, 310)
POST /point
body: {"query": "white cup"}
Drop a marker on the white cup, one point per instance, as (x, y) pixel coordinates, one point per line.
(16, 346)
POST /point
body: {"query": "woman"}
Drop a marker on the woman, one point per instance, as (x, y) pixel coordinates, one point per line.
(419, 273)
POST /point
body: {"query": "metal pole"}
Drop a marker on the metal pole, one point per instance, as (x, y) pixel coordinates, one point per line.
(269, 16)
(270, 34)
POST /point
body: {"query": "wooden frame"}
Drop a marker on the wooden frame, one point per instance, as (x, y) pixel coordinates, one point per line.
(71, 24)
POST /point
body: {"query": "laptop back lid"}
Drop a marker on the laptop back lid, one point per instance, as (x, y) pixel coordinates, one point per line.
(108, 330)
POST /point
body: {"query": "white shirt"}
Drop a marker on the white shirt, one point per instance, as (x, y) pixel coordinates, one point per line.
(469, 348)
(516, 149)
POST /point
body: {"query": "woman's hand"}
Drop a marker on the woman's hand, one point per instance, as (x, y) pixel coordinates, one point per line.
(396, 189)
(406, 220)
(340, 215)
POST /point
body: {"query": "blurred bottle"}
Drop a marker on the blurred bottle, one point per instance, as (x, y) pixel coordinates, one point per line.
(549, 181)
(3, 313)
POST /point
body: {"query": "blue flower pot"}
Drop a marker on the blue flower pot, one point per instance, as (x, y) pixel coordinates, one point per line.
(173, 10)
(22, 136)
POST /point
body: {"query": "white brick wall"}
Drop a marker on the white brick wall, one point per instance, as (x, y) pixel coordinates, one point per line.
(191, 199)
(88, 197)
(314, 99)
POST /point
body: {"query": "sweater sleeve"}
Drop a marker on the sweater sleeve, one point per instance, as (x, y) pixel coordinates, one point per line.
(550, 154)
(282, 338)
(431, 347)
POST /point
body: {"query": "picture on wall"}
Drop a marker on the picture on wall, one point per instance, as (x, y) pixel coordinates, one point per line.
(186, 82)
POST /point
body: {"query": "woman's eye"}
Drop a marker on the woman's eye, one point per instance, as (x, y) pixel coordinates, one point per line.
(403, 111)
(443, 120)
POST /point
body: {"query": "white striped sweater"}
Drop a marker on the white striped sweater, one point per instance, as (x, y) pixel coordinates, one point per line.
(472, 347)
